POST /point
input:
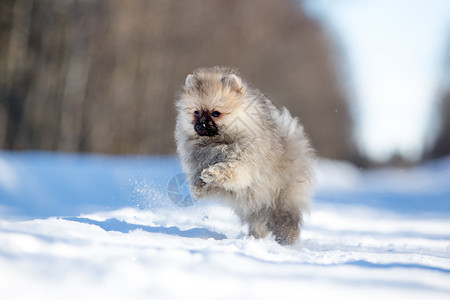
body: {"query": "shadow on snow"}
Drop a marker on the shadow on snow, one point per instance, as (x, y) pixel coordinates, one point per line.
(124, 227)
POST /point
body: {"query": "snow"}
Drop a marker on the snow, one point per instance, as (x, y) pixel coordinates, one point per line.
(97, 227)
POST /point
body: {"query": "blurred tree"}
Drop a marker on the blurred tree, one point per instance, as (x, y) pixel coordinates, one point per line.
(441, 145)
(92, 75)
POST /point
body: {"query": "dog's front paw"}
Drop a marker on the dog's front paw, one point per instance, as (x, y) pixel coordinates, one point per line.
(215, 174)
(209, 175)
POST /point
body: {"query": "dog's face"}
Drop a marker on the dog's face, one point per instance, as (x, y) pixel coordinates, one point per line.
(209, 104)
(205, 122)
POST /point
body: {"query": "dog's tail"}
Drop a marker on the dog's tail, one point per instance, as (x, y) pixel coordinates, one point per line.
(300, 156)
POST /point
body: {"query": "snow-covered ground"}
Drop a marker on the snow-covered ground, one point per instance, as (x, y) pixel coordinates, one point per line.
(104, 227)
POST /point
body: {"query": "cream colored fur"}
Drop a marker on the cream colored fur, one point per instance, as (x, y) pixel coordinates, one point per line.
(260, 161)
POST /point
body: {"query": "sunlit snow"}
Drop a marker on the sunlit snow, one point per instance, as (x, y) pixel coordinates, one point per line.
(98, 227)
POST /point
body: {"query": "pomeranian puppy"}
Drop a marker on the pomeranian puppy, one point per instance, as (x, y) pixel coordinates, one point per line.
(234, 144)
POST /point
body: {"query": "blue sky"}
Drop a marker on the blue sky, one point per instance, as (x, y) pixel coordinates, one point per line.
(394, 53)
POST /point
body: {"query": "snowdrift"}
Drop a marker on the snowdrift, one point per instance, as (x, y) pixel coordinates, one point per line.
(94, 227)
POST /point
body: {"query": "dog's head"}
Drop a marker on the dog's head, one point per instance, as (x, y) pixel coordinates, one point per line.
(210, 102)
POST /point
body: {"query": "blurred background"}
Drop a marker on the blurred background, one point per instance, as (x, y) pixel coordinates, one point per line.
(368, 79)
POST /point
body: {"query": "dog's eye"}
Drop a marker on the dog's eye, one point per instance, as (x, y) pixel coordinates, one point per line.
(215, 114)
(196, 113)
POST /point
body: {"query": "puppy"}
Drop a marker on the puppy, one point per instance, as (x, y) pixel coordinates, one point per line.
(234, 144)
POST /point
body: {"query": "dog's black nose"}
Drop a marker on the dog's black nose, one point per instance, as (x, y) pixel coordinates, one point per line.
(207, 128)
(200, 128)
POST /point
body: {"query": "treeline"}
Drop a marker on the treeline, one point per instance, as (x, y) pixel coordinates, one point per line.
(102, 76)
(441, 146)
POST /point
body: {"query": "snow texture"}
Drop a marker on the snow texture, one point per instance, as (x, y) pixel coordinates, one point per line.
(104, 227)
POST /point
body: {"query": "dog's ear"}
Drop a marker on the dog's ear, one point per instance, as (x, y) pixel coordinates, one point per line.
(233, 82)
(191, 82)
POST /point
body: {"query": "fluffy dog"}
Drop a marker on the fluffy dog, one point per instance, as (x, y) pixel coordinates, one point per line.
(234, 144)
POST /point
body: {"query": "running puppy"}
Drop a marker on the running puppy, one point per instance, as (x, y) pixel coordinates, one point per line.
(236, 145)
